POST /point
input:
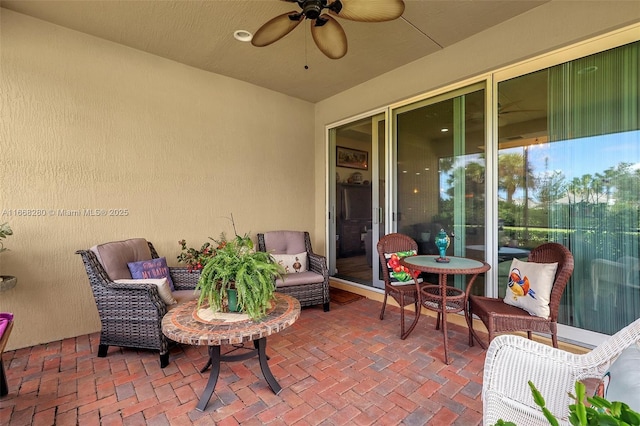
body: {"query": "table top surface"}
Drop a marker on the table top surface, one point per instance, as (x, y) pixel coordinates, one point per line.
(456, 265)
(186, 324)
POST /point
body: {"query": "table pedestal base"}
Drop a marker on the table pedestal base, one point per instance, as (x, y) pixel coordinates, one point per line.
(214, 362)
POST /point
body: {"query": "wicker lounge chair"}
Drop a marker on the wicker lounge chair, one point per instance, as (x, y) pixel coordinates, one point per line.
(403, 294)
(310, 287)
(500, 317)
(131, 316)
(513, 360)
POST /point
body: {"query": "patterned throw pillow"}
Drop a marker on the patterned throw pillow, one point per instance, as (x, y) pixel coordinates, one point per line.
(398, 274)
(163, 287)
(529, 286)
(292, 263)
(154, 268)
(622, 381)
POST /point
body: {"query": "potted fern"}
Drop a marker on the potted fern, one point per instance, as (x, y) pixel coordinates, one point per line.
(6, 281)
(235, 265)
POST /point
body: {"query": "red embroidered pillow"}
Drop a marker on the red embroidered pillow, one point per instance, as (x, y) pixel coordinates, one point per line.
(398, 274)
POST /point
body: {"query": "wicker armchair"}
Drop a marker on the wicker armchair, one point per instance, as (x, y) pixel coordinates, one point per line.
(403, 294)
(500, 317)
(132, 316)
(310, 287)
(513, 360)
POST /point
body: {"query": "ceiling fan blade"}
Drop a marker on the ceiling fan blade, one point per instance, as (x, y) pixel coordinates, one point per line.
(329, 37)
(276, 28)
(367, 10)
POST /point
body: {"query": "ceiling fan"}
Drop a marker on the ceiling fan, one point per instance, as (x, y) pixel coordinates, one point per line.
(326, 31)
(505, 109)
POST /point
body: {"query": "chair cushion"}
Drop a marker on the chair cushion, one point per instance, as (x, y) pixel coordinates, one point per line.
(5, 319)
(307, 277)
(284, 242)
(529, 286)
(183, 296)
(163, 287)
(153, 268)
(115, 256)
(292, 263)
(398, 274)
(622, 381)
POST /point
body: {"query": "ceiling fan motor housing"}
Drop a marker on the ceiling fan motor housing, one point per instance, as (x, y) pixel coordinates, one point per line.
(312, 8)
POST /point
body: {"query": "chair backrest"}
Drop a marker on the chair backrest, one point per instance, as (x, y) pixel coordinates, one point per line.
(511, 361)
(551, 253)
(284, 242)
(392, 243)
(115, 256)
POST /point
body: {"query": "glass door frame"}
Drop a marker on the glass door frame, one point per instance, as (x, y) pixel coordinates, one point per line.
(589, 47)
(377, 115)
(490, 125)
(597, 44)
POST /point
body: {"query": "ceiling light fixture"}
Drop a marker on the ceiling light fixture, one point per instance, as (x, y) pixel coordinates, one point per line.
(242, 35)
(444, 130)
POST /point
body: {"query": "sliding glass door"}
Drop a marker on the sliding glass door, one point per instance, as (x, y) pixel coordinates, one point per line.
(440, 172)
(569, 171)
(529, 155)
(358, 197)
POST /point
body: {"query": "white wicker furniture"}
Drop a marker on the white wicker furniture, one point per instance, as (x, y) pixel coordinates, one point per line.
(513, 360)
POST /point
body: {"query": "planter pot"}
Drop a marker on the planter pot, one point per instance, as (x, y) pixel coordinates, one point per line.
(7, 282)
(232, 299)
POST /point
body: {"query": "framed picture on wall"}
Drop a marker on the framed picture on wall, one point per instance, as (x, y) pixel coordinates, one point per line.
(352, 158)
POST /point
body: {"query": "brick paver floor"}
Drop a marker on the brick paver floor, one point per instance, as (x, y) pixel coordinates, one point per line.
(343, 367)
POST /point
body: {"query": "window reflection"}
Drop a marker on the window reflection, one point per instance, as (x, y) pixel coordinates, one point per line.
(569, 171)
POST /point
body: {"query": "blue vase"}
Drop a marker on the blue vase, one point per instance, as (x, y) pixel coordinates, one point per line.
(442, 242)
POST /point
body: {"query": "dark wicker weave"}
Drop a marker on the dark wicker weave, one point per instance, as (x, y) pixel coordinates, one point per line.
(499, 317)
(307, 294)
(403, 294)
(132, 316)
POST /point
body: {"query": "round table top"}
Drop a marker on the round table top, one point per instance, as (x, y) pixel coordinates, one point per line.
(456, 265)
(186, 324)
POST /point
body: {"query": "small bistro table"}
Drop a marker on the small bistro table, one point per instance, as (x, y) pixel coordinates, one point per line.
(192, 326)
(442, 298)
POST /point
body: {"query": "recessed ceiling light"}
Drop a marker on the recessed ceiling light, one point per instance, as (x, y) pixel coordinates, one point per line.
(242, 35)
(444, 130)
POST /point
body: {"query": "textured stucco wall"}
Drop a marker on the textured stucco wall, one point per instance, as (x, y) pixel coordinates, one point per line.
(89, 124)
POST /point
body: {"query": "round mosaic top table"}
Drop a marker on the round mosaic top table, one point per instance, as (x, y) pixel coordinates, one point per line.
(189, 325)
(442, 298)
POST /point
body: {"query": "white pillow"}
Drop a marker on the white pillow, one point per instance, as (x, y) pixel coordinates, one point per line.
(292, 263)
(164, 290)
(622, 381)
(529, 286)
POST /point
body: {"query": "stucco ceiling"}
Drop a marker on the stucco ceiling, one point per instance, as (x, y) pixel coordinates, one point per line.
(200, 34)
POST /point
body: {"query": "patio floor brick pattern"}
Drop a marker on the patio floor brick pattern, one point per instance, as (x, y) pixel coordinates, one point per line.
(343, 367)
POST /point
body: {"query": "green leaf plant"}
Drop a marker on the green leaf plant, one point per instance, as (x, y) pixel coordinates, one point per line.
(236, 265)
(600, 411)
(5, 231)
